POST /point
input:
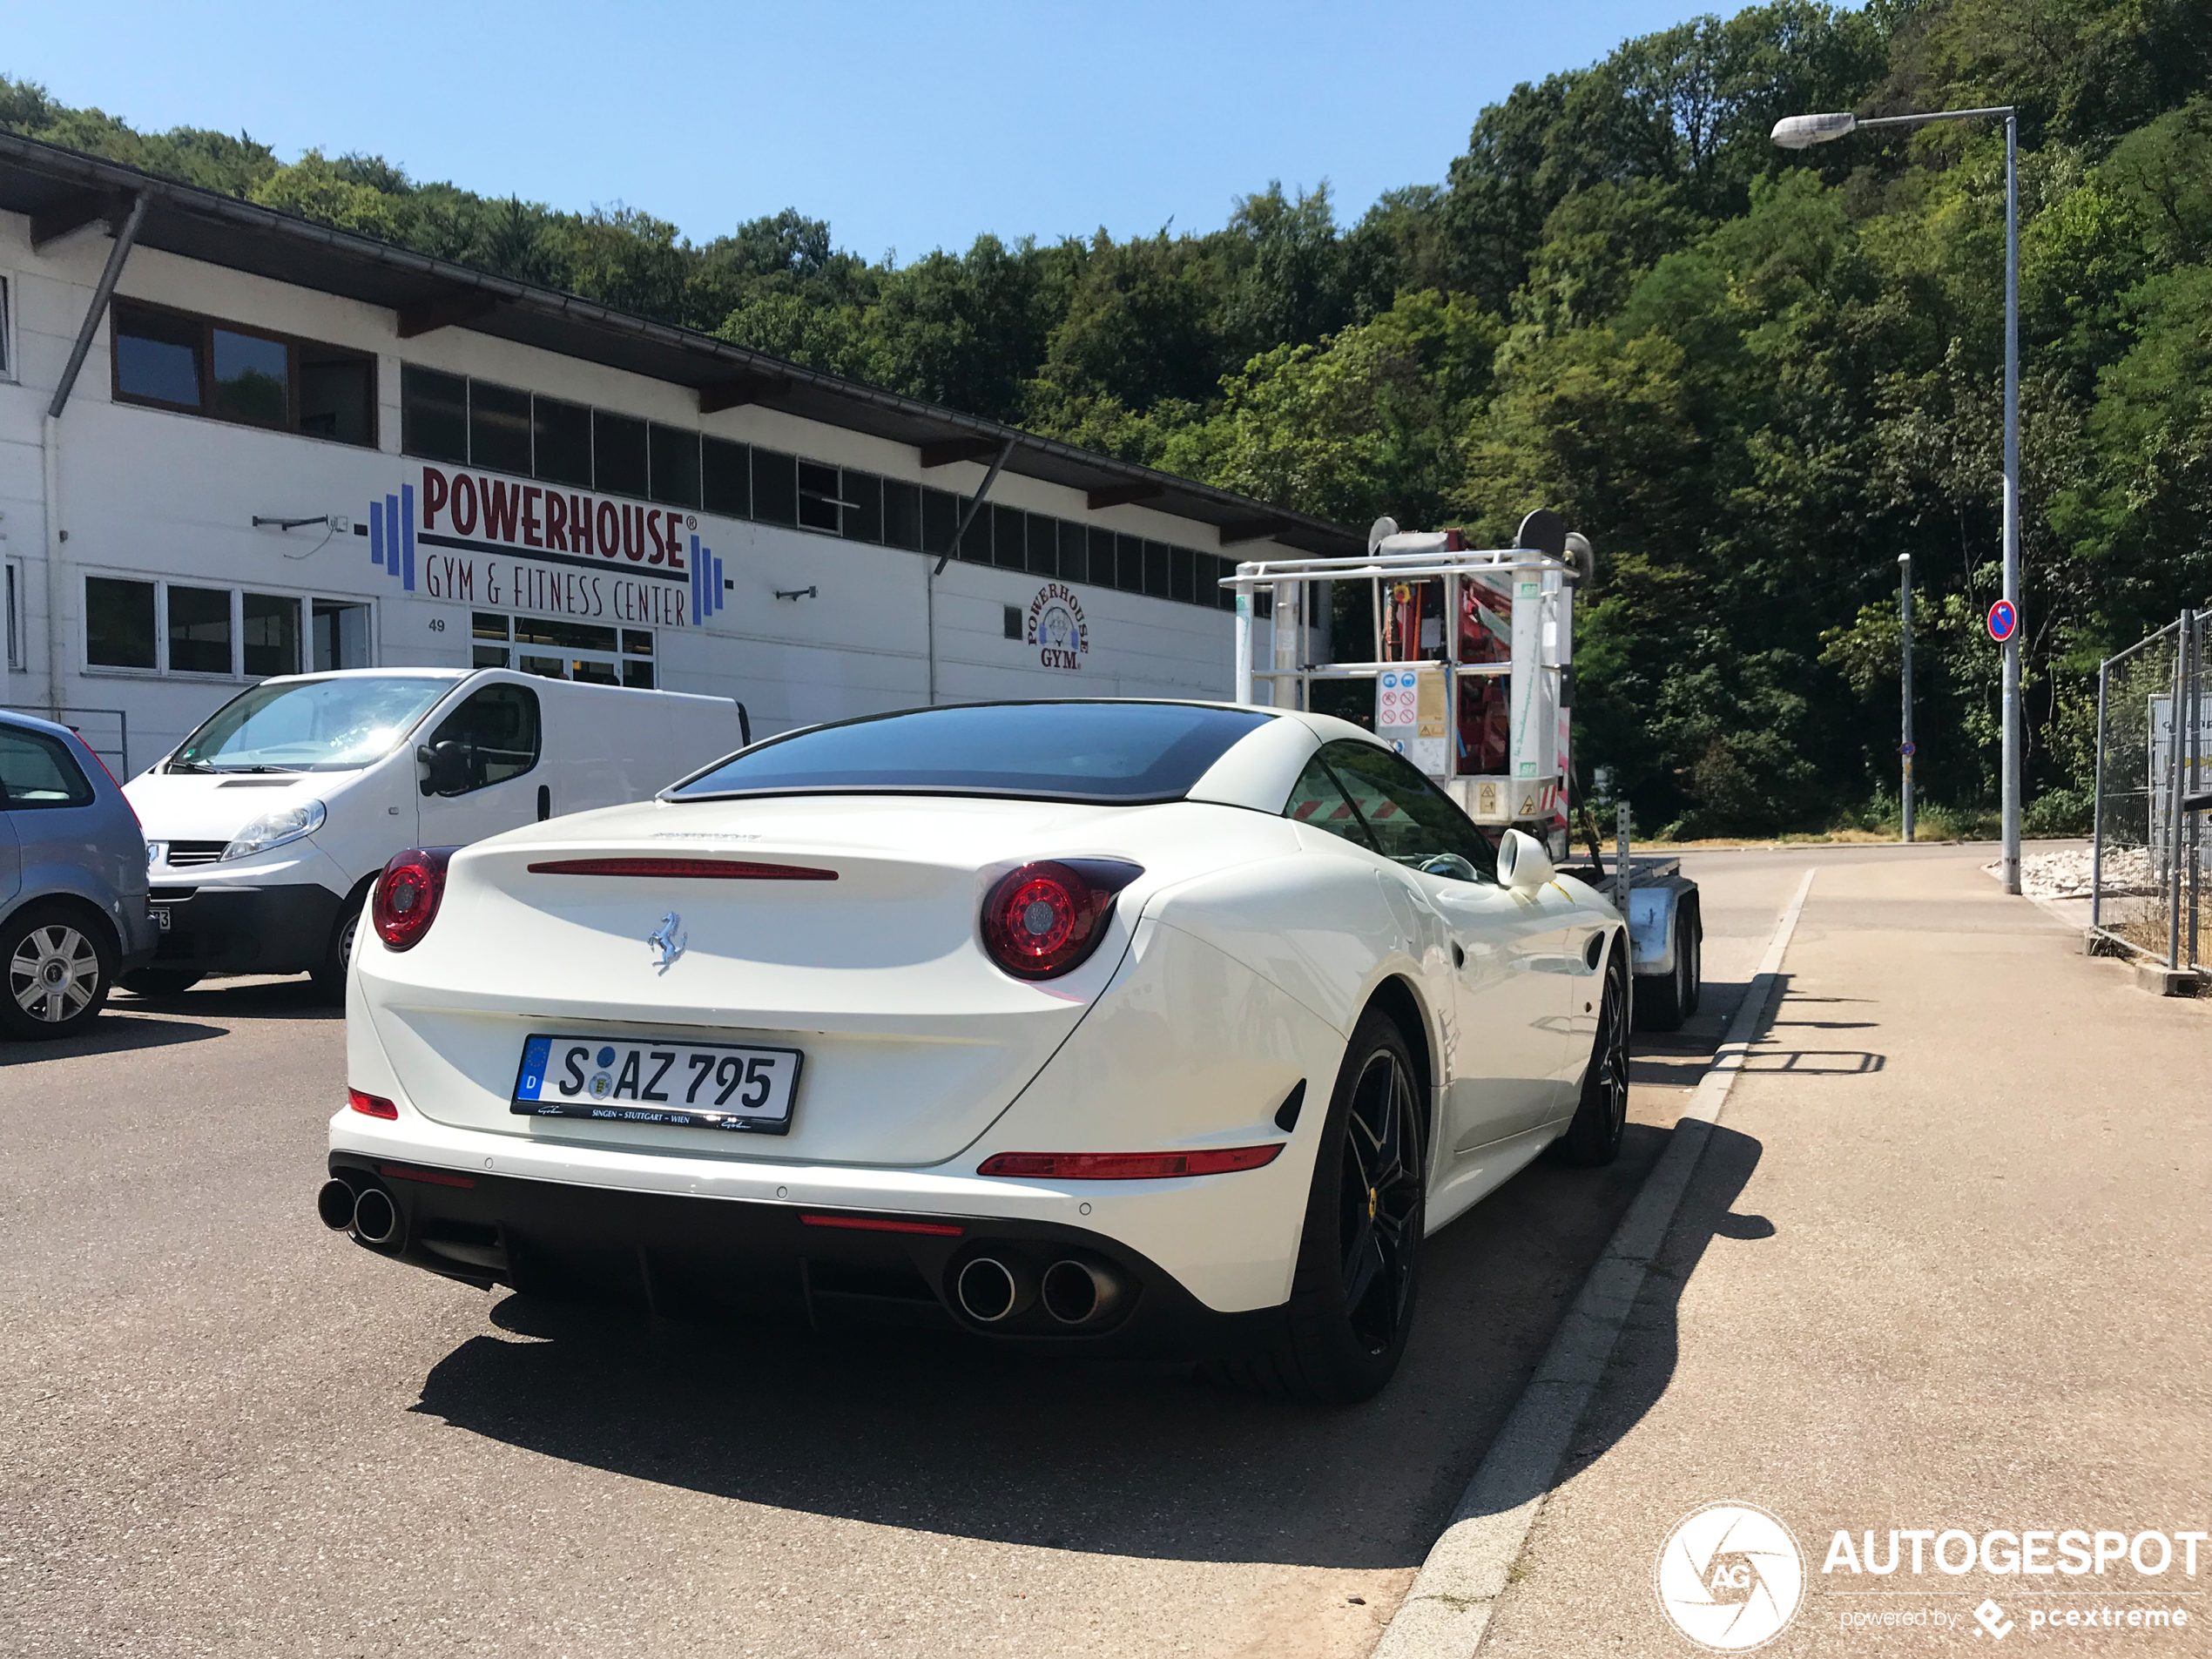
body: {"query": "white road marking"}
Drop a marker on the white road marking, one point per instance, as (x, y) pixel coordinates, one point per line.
(1447, 1612)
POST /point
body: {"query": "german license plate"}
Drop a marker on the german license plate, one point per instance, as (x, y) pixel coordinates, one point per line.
(680, 1085)
(160, 917)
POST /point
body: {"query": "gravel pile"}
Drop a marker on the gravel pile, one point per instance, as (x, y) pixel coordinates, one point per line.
(2065, 874)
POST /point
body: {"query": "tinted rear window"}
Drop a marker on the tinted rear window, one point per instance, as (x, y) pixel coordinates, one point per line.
(1092, 752)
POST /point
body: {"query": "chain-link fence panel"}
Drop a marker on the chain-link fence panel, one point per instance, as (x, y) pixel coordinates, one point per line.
(2153, 842)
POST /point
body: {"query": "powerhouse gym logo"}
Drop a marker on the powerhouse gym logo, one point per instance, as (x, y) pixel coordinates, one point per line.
(1731, 1577)
(1057, 628)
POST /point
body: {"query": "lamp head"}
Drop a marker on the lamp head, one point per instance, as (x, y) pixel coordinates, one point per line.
(1802, 132)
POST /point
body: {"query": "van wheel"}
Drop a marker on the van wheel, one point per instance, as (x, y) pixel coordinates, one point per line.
(56, 967)
(161, 981)
(338, 955)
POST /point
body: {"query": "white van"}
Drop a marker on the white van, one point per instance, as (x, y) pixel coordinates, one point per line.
(266, 827)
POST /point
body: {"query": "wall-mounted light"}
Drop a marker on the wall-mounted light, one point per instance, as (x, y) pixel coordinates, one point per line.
(797, 593)
(338, 522)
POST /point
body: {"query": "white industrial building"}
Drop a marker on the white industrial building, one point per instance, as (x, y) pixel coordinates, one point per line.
(234, 443)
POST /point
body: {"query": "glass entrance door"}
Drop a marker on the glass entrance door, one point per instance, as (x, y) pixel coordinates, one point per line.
(564, 651)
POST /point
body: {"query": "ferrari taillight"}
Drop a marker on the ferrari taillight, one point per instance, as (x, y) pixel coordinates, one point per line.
(1044, 918)
(370, 1105)
(406, 902)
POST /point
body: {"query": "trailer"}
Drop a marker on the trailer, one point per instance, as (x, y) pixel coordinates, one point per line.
(1472, 660)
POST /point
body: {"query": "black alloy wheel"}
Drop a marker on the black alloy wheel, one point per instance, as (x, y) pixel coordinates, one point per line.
(1601, 1115)
(1380, 1202)
(1352, 1292)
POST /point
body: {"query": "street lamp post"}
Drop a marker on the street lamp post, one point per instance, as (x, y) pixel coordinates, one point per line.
(1905, 747)
(1801, 131)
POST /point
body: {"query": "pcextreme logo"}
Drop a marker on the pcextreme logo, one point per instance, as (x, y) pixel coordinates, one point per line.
(1730, 1577)
(1057, 628)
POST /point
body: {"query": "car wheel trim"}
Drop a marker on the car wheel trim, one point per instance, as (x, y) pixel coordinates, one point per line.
(54, 973)
(1379, 1206)
(1613, 1073)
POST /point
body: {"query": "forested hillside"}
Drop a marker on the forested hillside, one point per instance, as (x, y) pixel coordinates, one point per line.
(1754, 377)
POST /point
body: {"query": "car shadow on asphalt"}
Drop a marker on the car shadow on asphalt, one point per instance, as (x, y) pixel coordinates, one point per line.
(256, 999)
(944, 1434)
(113, 1032)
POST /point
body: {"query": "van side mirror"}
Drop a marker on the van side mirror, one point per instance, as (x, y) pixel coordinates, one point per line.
(445, 768)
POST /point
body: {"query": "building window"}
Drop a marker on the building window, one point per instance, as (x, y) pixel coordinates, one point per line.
(1013, 621)
(902, 514)
(775, 487)
(339, 631)
(173, 360)
(499, 428)
(433, 415)
(199, 630)
(818, 501)
(173, 628)
(1009, 537)
(119, 624)
(591, 652)
(250, 379)
(269, 635)
(863, 493)
(560, 443)
(14, 620)
(618, 456)
(675, 454)
(7, 339)
(725, 478)
(451, 418)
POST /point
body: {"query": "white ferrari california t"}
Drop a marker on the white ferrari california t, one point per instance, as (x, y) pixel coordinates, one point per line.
(1103, 1026)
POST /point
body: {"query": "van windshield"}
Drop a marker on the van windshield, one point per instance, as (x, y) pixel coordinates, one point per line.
(310, 726)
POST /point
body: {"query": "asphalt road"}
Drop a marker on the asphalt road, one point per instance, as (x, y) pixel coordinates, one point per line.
(226, 1430)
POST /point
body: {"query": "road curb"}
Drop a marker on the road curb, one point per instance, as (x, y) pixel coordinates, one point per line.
(1447, 1612)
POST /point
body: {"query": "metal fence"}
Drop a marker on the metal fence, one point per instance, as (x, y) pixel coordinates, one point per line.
(2153, 840)
(106, 732)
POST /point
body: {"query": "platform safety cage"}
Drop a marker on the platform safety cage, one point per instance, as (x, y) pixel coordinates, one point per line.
(1523, 598)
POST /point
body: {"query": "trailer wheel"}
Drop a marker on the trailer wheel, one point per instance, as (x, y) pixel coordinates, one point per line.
(1663, 1004)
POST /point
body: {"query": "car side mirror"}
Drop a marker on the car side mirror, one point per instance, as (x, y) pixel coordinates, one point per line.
(1522, 863)
(445, 768)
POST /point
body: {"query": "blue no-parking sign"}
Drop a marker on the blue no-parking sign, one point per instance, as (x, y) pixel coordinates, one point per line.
(2004, 620)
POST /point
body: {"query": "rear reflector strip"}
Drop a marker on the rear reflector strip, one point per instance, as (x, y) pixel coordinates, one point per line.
(1130, 1166)
(428, 1177)
(718, 869)
(870, 1224)
(371, 1105)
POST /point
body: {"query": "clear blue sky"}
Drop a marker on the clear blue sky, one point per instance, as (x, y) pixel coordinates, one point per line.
(907, 126)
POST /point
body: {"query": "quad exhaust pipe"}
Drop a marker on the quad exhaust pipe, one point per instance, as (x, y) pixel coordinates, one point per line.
(371, 1214)
(992, 1288)
(1077, 1291)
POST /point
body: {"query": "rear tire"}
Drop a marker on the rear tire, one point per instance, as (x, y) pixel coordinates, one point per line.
(1593, 1138)
(57, 965)
(1359, 1265)
(161, 981)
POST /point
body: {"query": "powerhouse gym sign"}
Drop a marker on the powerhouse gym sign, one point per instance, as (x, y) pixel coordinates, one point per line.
(481, 539)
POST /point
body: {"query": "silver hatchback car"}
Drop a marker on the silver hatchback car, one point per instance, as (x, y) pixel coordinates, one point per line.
(73, 912)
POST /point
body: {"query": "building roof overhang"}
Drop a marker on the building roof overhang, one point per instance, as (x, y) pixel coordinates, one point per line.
(63, 190)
